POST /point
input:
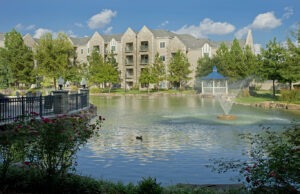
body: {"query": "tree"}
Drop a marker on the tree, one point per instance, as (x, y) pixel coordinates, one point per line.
(205, 65)
(16, 60)
(147, 76)
(54, 57)
(5, 70)
(179, 69)
(291, 72)
(103, 72)
(96, 64)
(236, 68)
(159, 70)
(273, 61)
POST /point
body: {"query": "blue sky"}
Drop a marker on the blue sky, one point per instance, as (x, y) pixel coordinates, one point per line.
(214, 19)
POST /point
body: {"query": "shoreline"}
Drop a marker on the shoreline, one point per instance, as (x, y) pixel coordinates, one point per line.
(264, 105)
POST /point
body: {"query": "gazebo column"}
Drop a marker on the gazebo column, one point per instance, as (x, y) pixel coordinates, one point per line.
(213, 87)
(226, 86)
(202, 87)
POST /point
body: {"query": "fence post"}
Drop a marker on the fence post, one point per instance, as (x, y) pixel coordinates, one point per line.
(41, 105)
(77, 96)
(23, 106)
(60, 102)
(84, 97)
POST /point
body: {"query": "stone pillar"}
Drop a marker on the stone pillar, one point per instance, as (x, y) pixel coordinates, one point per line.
(60, 102)
(84, 100)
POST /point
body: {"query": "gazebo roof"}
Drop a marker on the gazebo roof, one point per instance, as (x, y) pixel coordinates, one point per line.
(214, 75)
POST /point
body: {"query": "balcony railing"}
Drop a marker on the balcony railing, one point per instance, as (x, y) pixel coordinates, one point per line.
(144, 61)
(129, 50)
(144, 48)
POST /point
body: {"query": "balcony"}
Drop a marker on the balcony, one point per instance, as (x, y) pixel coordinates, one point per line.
(129, 62)
(129, 47)
(144, 62)
(144, 48)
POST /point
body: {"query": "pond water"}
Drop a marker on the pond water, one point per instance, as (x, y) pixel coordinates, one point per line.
(180, 136)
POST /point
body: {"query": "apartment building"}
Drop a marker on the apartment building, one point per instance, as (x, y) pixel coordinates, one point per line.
(134, 51)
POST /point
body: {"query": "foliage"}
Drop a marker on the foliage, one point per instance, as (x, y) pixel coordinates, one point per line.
(147, 76)
(149, 185)
(55, 57)
(290, 95)
(159, 70)
(47, 144)
(292, 61)
(273, 61)
(103, 71)
(273, 163)
(16, 60)
(179, 69)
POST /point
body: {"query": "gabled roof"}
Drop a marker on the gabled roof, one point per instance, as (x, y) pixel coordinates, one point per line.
(162, 33)
(192, 42)
(214, 75)
(2, 35)
(80, 41)
(108, 38)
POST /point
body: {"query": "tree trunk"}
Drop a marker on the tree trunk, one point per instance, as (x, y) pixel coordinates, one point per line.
(274, 88)
(54, 82)
(290, 85)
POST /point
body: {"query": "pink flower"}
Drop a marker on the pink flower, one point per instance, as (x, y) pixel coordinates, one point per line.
(46, 120)
(27, 163)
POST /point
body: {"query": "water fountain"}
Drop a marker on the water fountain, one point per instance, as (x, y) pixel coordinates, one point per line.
(227, 100)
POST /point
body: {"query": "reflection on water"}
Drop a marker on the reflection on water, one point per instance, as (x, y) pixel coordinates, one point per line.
(180, 135)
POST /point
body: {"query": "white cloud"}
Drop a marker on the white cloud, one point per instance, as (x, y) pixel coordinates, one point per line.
(266, 21)
(164, 23)
(80, 25)
(288, 12)
(108, 30)
(39, 32)
(30, 27)
(207, 27)
(242, 32)
(261, 22)
(22, 27)
(101, 19)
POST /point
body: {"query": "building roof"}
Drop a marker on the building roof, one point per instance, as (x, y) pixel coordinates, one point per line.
(2, 35)
(162, 33)
(214, 75)
(108, 38)
(191, 42)
(80, 41)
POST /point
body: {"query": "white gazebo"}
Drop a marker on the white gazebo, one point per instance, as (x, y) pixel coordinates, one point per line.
(214, 83)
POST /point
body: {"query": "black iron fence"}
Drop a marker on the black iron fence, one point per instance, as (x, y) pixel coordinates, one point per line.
(12, 109)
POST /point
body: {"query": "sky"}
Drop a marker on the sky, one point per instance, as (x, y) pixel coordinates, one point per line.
(218, 20)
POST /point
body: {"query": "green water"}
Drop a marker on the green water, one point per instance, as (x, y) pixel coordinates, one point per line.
(180, 136)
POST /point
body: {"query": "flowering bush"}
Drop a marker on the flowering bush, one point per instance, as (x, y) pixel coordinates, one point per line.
(48, 144)
(273, 163)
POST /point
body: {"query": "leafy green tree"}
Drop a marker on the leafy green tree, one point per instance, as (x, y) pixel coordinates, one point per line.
(16, 60)
(236, 68)
(205, 65)
(147, 77)
(273, 61)
(5, 70)
(101, 71)
(55, 57)
(159, 70)
(179, 69)
(291, 72)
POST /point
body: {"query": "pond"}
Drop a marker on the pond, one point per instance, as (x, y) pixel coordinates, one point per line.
(180, 136)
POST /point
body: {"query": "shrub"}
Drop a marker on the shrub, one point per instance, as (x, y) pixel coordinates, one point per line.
(273, 163)
(149, 185)
(47, 144)
(290, 95)
(95, 90)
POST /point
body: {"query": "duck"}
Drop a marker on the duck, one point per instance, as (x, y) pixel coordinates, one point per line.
(139, 138)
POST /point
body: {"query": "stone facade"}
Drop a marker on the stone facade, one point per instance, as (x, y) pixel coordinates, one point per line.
(134, 51)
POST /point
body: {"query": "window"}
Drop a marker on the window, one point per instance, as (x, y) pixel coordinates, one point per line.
(113, 48)
(162, 45)
(163, 58)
